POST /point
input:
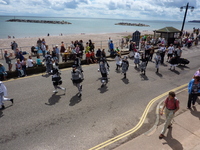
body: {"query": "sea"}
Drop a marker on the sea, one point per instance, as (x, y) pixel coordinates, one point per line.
(80, 26)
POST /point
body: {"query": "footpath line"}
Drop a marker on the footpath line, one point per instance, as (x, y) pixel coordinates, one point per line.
(142, 119)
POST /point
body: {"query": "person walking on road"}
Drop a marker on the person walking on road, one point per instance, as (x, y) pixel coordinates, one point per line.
(104, 69)
(77, 79)
(157, 59)
(77, 62)
(57, 81)
(171, 106)
(3, 92)
(125, 65)
(193, 90)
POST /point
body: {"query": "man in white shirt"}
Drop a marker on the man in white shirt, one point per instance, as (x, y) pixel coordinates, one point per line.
(30, 62)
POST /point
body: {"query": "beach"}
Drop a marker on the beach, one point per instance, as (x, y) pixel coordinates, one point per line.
(100, 40)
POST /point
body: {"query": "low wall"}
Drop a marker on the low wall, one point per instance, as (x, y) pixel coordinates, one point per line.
(42, 69)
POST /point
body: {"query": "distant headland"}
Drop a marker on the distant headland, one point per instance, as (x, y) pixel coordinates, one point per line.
(132, 24)
(38, 21)
(196, 21)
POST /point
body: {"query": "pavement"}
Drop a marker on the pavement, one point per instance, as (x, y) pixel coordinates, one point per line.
(184, 134)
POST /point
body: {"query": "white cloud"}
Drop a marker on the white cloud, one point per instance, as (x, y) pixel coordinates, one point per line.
(130, 9)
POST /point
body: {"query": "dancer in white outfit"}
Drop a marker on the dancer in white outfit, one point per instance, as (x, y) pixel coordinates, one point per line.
(3, 92)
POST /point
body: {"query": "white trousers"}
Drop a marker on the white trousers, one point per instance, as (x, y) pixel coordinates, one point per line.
(2, 98)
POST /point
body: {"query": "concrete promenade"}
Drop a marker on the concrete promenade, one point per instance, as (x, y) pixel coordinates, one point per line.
(184, 134)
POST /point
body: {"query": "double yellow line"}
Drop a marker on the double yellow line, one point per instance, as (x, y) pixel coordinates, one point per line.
(125, 134)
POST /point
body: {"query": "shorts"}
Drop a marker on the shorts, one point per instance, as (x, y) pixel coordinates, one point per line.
(169, 55)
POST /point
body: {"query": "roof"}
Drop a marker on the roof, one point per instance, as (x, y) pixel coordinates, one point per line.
(168, 30)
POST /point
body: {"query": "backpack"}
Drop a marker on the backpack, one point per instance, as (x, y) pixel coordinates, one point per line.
(175, 99)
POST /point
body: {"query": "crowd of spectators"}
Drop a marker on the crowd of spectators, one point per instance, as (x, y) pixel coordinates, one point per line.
(65, 52)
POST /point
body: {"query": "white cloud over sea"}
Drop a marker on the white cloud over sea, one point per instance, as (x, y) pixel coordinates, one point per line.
(126, 9)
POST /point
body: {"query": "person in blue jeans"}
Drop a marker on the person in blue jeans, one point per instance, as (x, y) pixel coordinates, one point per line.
(193, 91)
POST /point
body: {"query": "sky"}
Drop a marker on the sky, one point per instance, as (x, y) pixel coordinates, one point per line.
(116, 9)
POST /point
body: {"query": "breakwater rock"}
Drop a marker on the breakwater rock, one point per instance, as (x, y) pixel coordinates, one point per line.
(132, 24)
(38, 21)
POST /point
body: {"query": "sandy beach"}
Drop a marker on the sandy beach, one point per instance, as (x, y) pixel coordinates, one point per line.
(100, 40)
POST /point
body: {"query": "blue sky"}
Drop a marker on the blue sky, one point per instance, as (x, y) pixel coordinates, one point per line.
(122, 9)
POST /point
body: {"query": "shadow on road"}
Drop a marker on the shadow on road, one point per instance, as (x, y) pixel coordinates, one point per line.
(103, 89)
(1, 113)
(194, 112)
(176, 72)
(53, 99)
(126, 81)
(75, 100)
(173, 143)
(159, 74)
(46, 75)
(137, 69)
(144, 77)
(118, 71)
(182, 67)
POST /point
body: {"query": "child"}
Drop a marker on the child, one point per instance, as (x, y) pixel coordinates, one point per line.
(137, 59)
(118, 61)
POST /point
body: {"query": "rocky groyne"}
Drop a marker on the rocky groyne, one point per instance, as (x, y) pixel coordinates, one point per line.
(39, 21)
(132, 24)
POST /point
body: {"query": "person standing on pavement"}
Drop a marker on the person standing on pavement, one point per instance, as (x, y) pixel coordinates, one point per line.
(3, 92)
(171, 106)
(7, 57)
(193, 90)
(14, 46)
(57, 52)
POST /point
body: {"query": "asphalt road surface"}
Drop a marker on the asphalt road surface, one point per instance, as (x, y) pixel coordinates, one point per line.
(41, 120)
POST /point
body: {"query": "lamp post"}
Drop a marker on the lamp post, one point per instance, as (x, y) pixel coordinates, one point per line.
(186, 8)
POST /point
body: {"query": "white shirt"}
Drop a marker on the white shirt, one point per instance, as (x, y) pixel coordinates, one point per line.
(137, 55)
(29, 62)
(170, 49)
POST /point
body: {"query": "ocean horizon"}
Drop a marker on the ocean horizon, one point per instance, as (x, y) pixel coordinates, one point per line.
(80, 26)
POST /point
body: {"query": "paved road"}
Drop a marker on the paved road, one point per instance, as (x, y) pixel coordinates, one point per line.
(41, 120)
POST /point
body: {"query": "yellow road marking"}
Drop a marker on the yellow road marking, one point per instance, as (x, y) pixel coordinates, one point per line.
(142, 119)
